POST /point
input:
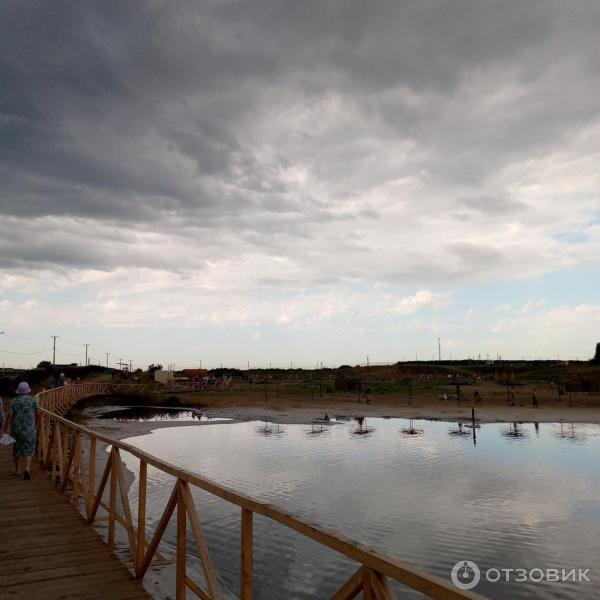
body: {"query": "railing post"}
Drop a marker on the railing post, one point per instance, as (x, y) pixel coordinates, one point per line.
(113, 500)
(141, 527)
(65, 453)
(247, 555)
(91, 476)
(180, 573)
(367, 584)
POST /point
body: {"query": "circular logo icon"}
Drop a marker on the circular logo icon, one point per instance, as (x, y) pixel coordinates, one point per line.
(465, 575)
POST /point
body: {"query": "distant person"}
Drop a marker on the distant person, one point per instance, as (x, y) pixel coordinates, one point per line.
(22, 420)
(476, 395)
(534, 398)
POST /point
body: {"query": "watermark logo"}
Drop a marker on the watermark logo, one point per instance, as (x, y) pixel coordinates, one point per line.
(465, 574)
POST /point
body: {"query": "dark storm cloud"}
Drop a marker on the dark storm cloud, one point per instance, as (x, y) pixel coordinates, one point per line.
(267, 125)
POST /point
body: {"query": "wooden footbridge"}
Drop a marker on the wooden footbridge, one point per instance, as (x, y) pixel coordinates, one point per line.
(49, 548)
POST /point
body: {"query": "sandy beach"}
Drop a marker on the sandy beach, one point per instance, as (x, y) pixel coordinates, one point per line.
(496, 405)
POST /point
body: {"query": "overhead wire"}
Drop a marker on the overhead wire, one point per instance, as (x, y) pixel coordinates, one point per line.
(19, 337)
(68, 353)
(26, 353)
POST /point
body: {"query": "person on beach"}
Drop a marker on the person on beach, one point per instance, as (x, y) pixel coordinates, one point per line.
(22, 420)
(534, 398)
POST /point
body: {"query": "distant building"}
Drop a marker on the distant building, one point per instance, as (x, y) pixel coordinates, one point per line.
(163, 376)
(195, 373)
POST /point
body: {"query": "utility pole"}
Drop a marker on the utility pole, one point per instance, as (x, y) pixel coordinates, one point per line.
(54, 349)
(107, 354)
(130, 365)
(86, 354)
(200, 365)
(439, 350)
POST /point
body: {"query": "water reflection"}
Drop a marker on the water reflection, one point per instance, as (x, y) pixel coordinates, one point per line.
(567, 432)
(459, 431)
(147, 413)
(363, 429)
(515, 431)
(411, 430)
(157, 413)
(317, 428)
(268, 429)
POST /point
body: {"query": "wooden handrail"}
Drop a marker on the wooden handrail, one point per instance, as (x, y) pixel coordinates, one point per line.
(60, 451)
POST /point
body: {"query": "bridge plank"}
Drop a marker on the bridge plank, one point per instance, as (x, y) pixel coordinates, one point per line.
(48, 551)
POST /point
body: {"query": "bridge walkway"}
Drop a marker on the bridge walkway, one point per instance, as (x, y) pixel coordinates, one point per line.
(48, 551)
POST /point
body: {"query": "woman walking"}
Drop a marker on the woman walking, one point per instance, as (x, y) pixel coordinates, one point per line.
(22, 420)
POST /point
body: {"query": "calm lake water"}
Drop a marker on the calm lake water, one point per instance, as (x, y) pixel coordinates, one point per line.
(525, 496)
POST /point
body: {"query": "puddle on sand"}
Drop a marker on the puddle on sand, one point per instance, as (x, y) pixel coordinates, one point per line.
(153, 413)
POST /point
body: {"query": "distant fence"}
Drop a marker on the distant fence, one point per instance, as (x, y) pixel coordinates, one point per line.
(62, 448)
(203, 385)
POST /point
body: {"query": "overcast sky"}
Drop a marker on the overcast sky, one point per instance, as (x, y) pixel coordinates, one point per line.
(299, 182)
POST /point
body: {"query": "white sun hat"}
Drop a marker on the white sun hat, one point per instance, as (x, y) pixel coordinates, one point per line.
(23, 388)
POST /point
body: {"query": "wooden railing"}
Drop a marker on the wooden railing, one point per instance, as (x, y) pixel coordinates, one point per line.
(61, 450)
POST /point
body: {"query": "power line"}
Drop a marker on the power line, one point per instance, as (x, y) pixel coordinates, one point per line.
(25, 353)
(69, 353)
(19, 337)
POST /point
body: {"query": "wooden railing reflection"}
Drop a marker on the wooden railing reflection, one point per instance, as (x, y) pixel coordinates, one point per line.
(61, 449)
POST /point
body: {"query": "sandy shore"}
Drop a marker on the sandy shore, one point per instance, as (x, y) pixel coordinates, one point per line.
(244, 406)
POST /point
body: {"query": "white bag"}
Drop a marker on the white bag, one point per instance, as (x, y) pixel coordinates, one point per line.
(7, 440)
